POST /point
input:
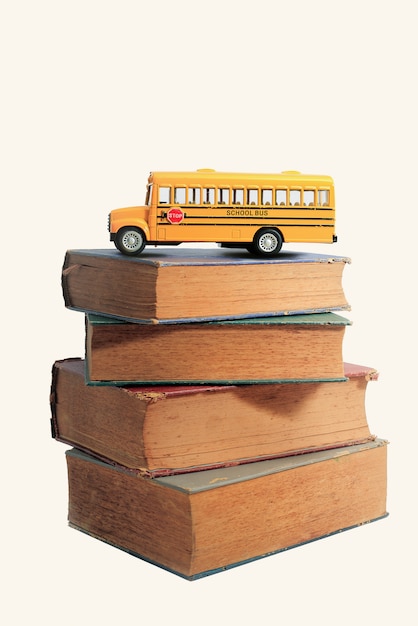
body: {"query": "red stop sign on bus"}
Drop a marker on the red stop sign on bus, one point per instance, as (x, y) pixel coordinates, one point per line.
(175, 216)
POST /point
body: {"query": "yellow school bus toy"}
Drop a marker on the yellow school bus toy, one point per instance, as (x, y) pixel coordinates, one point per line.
(258, 212)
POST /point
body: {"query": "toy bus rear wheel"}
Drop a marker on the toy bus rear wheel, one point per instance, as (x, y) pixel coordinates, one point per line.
(267, 242)
(130, 240)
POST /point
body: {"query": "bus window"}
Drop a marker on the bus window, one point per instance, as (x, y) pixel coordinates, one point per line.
(194, 195)
(180, 195)
(308, 197)
(266, 196)
(237, 196)
(223, 196)
(164, 195)
(149, 195)
(323, 197)
(281, 199)
(295, 197)
(208, 195)
(252, 196)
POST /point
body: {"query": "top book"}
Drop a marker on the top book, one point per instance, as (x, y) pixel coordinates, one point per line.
(190, 284)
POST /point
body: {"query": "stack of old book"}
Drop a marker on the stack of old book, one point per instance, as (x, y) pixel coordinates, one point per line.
(213, 419)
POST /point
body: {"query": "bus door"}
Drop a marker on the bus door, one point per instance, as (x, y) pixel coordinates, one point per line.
(182, 211)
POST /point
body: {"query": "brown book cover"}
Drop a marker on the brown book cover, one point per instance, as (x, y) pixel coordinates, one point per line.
(200, 523)
(255, 350)
(163, 286)
(173, 429)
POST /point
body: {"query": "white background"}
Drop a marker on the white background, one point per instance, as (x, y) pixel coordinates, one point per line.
(94, 96)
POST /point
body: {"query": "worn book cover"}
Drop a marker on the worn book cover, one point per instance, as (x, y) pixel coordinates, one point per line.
(253, 350)
(200, 523)
(188, 284)
(174, 428)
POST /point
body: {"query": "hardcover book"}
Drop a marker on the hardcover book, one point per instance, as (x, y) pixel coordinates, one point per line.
(187, 284)
(253, 350)
(200, 523)
(173, 429)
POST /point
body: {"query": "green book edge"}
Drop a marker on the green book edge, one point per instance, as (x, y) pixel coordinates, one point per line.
(309, 319)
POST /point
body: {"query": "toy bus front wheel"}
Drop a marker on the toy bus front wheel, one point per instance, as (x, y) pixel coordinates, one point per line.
(267, 242)
(130, 240)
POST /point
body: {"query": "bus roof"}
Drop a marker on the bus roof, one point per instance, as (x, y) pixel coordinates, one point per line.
(209, 176)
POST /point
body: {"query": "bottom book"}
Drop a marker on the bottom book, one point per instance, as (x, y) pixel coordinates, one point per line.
(205, 522)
